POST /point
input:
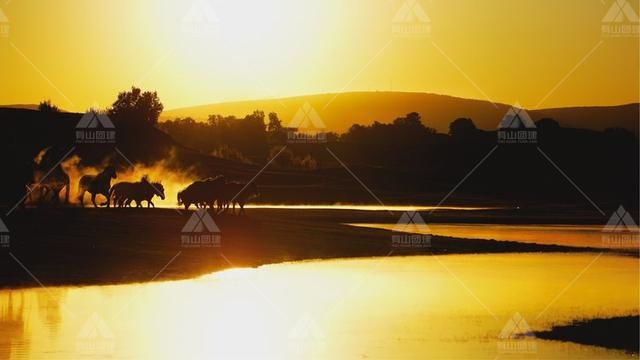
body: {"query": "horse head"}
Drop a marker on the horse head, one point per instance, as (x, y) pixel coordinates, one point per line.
(110, 171)
(159, 190)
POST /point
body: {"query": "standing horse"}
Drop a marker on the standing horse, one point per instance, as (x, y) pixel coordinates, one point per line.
(119, 193)
(202, 193)
(125, 193)
(97, 184)
(238, 193)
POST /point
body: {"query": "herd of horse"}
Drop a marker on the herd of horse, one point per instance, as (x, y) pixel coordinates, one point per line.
(209, 193)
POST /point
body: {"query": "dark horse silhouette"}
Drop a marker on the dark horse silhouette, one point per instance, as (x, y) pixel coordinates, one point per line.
(97, 184)
(124, 193)
(202, 193)
(238, 193)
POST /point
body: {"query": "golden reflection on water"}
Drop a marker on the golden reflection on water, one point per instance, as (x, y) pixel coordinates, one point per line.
(353, 207)
(568, 235)
(408, 308)
(371, 207)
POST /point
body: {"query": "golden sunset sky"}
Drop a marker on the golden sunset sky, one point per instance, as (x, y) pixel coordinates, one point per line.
(512, 50)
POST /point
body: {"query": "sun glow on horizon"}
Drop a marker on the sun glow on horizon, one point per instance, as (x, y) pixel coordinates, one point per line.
(281, 48)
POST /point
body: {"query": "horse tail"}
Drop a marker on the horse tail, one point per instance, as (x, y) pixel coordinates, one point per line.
(180, 197)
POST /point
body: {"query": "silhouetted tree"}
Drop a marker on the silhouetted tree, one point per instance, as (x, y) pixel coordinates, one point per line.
(48, 106)
(462, 127)
(137, 106)
(403, 130)
(411, 120)
(275, 124)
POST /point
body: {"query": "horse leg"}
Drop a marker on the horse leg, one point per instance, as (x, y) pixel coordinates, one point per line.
(66, 194)
(108, 203)
(41, 194)
(93, 200)
(56, 197)
(81, 197)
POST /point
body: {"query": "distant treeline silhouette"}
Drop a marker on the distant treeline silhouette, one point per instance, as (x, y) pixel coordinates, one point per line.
(416, 158)
(405, 156)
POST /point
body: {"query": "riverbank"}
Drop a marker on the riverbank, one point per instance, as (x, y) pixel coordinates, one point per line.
(75, 246)
(613, 333)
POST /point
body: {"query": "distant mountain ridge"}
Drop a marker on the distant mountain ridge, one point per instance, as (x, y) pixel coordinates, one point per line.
(437, 111)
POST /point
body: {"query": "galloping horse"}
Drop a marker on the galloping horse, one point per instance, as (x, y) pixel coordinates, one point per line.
(97, 184)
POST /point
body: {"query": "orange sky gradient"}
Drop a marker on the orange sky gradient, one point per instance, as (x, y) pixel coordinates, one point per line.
(511, 50)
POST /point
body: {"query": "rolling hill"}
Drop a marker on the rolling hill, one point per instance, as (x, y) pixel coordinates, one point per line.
(437, 111)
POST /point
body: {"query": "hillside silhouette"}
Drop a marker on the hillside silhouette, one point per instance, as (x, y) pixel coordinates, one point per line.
(401, 159)
(437, 111)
